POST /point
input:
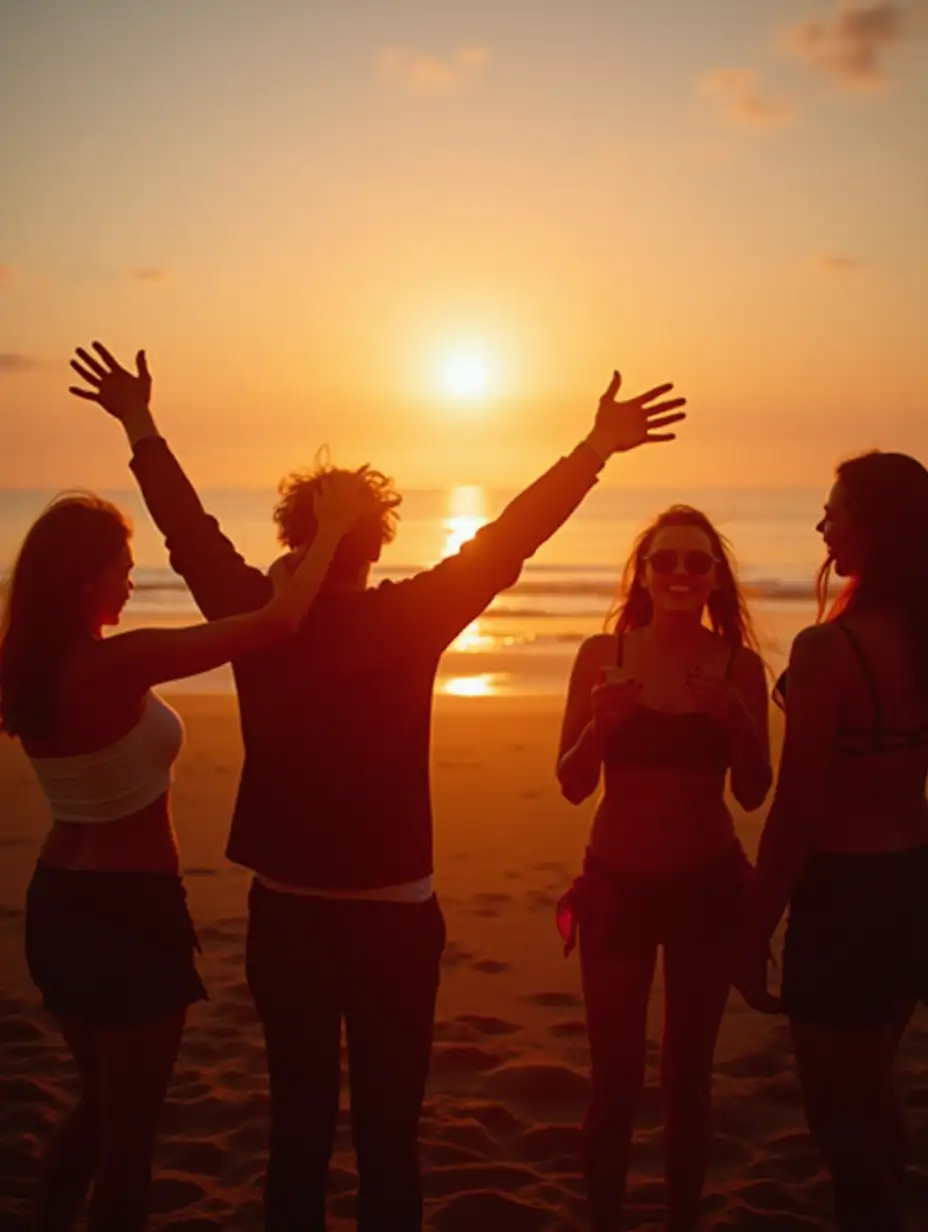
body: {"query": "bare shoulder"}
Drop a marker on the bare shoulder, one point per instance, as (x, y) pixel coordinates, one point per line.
(597, 651)
(747, 666)
(812, 656)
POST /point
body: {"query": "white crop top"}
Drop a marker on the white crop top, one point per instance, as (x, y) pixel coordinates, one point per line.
(121, 779)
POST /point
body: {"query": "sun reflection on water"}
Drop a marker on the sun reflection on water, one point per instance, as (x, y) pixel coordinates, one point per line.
(486, 684)
(466, 515)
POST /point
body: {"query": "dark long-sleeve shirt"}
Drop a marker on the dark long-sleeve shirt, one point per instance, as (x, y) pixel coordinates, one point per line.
(336, 719)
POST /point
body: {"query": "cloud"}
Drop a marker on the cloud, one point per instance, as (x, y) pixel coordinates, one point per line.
(14, 362)
(851, 45)
(424, 73)
(836, 263)
(148, 273)
(739, 100)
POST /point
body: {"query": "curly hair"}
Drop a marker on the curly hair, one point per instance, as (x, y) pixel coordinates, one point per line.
(887, 502)
(727, 608)
(77, 536)
(295, 516)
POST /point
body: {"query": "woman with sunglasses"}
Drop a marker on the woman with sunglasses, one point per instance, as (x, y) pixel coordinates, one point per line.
(846, 841)
(663, 707)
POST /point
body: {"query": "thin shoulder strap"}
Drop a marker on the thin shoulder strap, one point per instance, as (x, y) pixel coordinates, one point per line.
(871, 683)
(731, 661)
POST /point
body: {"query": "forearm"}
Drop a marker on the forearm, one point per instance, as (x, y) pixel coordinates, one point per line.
(781, 857)
(751, 773)
(532, 517)
(298, 596)
(139, 425)
(579, 768)
(219, 578)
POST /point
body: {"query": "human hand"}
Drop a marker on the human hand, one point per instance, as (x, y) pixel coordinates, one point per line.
(612, 704)
(752, 969)
(116, 390)
(624, 425)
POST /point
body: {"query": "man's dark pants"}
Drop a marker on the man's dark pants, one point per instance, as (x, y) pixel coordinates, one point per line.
(311, 963)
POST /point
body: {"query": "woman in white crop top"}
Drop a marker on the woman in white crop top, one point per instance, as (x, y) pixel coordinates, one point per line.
(109, 940)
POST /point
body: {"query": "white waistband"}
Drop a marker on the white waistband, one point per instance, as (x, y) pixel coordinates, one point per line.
(419, 891)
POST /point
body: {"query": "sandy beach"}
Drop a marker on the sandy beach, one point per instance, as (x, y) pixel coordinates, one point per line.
(500, 1132)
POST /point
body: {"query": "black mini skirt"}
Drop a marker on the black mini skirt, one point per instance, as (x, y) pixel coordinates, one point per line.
(111, 948)
(856, 946)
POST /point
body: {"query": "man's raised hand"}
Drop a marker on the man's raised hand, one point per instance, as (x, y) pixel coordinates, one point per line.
(625, 424)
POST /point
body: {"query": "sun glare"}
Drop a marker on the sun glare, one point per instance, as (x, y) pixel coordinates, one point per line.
(465, 376)
(486, 684)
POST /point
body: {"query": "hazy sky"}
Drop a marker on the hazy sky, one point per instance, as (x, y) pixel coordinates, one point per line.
(305, 211)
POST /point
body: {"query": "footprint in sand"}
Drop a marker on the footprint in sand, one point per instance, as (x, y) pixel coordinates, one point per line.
(439, 1154)
(203, 1158)
(571, 1028)
(173, 1193)
(16, 1090)
(468, 1134)
(488, 905)
(553, 1000)
(767, 1063)
(782, 1089)
(216, 933)
(199, 1223)
(497, 1119)
(486, 1175)
(540, 900)
(454, 956)
(485, 1024)
(19, 1031)
(490, 966)
(491, 1212)
(545, 1142)
(463, 1058)
(537, 1083)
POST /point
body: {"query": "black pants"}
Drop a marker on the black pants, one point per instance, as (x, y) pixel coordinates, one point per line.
(311, 963)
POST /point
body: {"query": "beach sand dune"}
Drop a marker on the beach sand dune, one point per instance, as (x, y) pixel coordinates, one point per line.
(500, 1131)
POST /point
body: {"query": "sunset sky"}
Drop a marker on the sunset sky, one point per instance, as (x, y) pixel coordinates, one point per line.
(309, 212)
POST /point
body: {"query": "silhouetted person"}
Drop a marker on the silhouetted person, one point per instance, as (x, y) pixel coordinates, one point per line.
(846, 841)
(334, 813)
(686, 706)
(109, 940)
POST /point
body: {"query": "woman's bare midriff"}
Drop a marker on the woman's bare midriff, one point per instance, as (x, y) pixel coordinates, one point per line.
(660, 822)
(144, 841)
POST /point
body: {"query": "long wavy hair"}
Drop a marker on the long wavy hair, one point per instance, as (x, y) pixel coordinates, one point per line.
(44, 612)
(886, 495)
(727, 609)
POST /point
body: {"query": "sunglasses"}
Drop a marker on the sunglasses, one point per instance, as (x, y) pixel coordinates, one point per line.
(695, 561)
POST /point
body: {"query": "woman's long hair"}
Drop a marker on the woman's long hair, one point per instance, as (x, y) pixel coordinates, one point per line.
(727, 609)
(886, 495)
(44, 612)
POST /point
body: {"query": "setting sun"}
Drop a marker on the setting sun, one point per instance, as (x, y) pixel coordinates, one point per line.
(465, 376)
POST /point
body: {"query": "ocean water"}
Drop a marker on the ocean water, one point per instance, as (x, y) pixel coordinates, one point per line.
(526, 640)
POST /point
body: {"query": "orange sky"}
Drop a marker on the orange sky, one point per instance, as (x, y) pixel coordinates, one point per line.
(304, 216)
